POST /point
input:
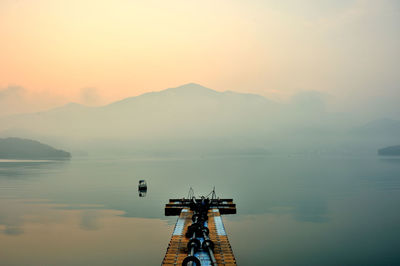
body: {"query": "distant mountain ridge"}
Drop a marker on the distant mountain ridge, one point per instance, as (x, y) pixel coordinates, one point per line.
(189, 92)
(379, 127)
(188, 110)
(192, 116)
(17, 148)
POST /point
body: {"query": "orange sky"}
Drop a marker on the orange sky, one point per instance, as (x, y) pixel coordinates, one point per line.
(124, 48)
(119, 47)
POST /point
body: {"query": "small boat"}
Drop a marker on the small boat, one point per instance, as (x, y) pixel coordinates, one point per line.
(142, 185)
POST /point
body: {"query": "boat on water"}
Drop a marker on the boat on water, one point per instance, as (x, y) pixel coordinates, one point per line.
(142, 188)
(142, 185)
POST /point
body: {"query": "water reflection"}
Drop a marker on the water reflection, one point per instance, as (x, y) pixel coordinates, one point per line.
(88, 182)
(90, 220)
(23, 169)
(351, 230)
(15, 213)
(394, 160)
(142, 188)
(45, 234)
(285, 206)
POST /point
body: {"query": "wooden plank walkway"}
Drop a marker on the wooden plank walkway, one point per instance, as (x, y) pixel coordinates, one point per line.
(177, 249)
(175, 206)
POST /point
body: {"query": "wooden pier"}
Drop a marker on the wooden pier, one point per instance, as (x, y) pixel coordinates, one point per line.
(178, 249)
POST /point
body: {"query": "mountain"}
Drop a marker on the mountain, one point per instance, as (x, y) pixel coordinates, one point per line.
(380, 128)
(193, 117)
(16, 148)
(188, 111)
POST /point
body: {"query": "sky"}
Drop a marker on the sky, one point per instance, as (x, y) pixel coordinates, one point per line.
(98, 51)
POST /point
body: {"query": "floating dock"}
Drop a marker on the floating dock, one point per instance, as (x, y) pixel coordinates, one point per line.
(184, 237)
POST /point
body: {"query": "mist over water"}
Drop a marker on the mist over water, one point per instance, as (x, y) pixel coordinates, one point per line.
(289, 107)
(194, 120)
(88, 211)
(309, 186)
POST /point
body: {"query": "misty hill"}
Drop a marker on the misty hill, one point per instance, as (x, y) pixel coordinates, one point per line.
(192, 117)
(390, 151)
(16, 148)
(186, 111)
(380, 128)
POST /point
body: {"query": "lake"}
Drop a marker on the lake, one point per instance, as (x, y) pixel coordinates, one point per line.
(292, 210)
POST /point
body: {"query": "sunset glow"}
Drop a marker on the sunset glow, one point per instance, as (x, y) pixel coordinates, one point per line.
(125, 48)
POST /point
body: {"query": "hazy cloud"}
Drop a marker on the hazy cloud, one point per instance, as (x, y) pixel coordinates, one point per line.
(347, 48)
(90, 96)
(16, 99)
(310, 101)
(12, 100)
(11, 91)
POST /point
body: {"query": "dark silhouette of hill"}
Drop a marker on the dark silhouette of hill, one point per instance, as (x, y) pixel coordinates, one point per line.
(390, 151)
(16, 148)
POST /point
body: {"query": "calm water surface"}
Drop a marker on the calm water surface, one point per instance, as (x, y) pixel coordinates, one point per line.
(293, 210)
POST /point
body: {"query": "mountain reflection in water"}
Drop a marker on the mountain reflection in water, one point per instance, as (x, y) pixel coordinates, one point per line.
(87, 212)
